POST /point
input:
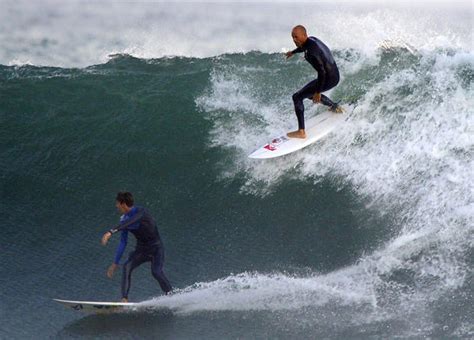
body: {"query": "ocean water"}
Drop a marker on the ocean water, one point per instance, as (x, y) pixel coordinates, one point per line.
(366, 234)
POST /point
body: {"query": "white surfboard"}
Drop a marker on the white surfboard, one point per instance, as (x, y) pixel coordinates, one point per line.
(95, 306)
(316, 128)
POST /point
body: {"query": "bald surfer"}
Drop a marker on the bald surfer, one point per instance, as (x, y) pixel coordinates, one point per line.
(319, 56)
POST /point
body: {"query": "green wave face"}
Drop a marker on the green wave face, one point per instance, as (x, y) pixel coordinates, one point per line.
(367, 232)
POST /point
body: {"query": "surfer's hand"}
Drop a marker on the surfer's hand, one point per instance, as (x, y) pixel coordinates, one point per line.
(317, 98)
(106, 238)
(289, 54)
(111, 270)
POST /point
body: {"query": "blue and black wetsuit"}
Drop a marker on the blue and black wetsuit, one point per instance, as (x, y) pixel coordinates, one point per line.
(320, 57)
(149, 247)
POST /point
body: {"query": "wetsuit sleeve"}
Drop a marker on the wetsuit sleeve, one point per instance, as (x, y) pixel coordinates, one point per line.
(121, 247)
(128, 225)
(297, 50)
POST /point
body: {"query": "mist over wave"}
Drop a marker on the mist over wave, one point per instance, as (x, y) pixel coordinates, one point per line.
(79, 33)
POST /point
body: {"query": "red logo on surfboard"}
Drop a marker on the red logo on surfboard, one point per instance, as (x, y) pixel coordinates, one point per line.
(270, 147)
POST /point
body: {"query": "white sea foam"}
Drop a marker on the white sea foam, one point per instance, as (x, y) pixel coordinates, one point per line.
(253, 291)
(408, 148)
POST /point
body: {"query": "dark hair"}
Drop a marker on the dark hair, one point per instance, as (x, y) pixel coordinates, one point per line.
(125, 197)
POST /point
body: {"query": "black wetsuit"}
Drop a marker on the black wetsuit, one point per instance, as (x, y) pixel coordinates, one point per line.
(149, 247)
(320, 57)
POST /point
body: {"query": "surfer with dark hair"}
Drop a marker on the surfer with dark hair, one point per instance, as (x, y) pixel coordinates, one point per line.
(149, 247)
(320, 57)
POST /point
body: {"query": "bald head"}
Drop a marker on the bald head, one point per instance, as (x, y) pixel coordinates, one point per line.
(299, 35)
(299, 28)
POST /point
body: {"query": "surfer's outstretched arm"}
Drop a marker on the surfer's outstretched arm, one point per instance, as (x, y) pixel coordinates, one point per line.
(291, 53)
(129, 224)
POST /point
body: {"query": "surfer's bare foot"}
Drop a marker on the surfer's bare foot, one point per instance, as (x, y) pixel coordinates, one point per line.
(337, 109)
(297, 134)
(124, 300)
